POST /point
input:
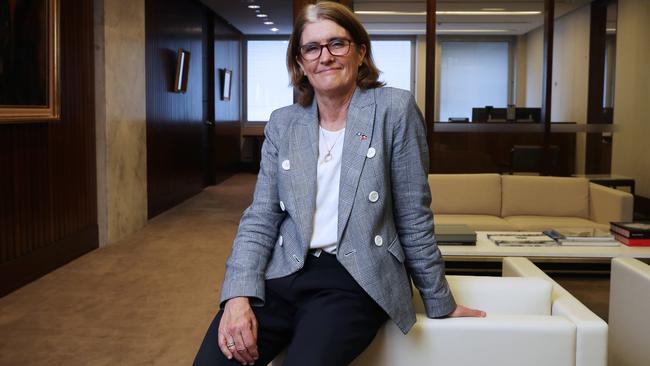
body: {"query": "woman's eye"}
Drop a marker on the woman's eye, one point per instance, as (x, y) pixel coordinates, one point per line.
(337, 44)
(310, 48)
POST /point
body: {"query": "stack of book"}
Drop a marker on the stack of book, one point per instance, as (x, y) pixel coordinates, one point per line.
(589, 237)
(454, 234)
(632, 233)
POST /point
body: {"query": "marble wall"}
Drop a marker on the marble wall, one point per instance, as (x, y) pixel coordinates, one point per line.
(121, 117)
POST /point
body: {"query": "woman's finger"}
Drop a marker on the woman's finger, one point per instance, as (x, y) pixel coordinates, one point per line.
(240, 346)
(249, 338)
(223, 346)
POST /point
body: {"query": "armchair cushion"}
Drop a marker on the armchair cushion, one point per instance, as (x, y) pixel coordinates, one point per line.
(503, 295)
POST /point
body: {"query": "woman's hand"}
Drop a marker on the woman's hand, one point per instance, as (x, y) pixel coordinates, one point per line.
(238, 331)
(462, 311)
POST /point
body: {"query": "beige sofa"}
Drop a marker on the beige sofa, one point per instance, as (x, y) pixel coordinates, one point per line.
(493, 202)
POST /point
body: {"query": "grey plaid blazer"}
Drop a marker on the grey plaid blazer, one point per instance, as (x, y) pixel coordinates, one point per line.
(385, 224)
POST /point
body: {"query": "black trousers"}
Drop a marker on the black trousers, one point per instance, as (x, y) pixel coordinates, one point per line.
(320, 315)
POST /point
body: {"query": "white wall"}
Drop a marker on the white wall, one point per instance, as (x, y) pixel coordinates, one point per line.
(534, 57)
(630, 154)
(420, 72)
(570, 72)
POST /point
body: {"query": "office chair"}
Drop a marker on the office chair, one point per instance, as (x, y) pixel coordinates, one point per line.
(528, 158)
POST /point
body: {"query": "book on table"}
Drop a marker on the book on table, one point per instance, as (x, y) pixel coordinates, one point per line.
(522, 239)
(639, 229)
(454, 234)
(633, 242)
(582, 237)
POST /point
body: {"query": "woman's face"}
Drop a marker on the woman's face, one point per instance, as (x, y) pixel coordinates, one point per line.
(330, 74)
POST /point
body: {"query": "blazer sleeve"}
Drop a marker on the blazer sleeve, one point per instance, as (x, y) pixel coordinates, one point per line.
(412, 211)
(258, 229)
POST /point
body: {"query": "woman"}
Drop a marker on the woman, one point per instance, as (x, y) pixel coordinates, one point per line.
(340, 218)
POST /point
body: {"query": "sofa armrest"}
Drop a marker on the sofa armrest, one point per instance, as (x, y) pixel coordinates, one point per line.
(609, 205)
(591, 331)
(504, 340)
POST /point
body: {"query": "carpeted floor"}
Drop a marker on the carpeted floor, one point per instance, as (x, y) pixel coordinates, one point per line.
(148, 299)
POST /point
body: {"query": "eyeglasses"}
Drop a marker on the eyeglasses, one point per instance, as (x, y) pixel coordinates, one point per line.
(336, 47)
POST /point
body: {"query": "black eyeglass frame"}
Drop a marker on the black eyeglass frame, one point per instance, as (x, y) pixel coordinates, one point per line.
(326, 45)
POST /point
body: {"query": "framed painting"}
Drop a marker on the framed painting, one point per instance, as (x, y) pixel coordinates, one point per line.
(29, 61)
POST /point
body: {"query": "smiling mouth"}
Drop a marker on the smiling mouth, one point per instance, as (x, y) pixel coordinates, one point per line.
(328, 70)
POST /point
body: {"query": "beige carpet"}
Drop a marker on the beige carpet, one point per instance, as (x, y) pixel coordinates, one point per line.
(146, 300)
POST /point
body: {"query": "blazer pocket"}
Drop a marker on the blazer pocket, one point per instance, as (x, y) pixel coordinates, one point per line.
(395, 248)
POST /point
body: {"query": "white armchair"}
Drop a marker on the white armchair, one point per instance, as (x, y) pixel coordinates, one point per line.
(530, 321)
(629, 323)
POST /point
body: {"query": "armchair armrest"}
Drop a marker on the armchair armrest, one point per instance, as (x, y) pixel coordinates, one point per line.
(629, 301)
(609, 204)
(591, 331)
(504, 340)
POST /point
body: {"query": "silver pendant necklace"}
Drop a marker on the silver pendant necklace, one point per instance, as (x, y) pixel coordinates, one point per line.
(328, 156)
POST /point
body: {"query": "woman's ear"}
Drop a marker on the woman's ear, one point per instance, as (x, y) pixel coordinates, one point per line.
(362, 53)
(299, 62)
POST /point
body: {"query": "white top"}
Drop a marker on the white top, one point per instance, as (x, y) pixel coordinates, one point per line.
(327, 190)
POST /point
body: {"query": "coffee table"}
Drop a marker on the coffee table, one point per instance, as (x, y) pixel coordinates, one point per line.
(489, 255)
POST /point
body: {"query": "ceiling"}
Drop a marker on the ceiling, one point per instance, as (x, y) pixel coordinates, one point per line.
(409, 21)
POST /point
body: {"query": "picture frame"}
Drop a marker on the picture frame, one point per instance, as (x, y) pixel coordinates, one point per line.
(226, 83)
(182, 71)
(29, 61)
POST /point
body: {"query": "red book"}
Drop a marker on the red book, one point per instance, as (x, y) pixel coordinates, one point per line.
(632, 242)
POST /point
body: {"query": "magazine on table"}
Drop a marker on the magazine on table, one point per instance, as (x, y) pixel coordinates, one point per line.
(582, 237)
(522, 239)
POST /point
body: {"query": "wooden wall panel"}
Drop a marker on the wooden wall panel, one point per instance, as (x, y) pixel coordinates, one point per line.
(48, 204)
(176, 133)
(227, 113)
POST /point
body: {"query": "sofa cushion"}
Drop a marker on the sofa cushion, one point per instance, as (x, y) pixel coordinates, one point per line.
(544, 196)
(478, 194)
(475, 222)
(538, 223)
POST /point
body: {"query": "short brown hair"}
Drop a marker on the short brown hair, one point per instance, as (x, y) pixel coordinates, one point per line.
(368, 76)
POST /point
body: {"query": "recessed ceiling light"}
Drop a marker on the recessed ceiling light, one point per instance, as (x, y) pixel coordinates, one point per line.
(253, 6)
(268, 23)
(443, 12)
(262, 15)
(471, 30)
(440, 30)
(274, 29)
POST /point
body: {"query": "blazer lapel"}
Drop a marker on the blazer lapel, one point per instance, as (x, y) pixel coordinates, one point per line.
(303, 152)
(358, 134)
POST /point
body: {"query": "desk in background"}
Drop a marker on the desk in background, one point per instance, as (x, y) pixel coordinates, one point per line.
(608, 180)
